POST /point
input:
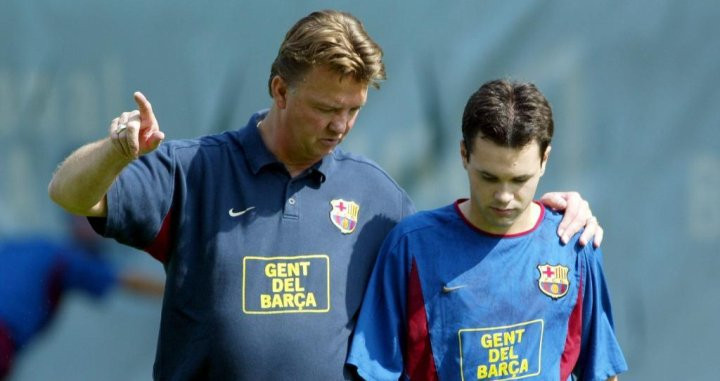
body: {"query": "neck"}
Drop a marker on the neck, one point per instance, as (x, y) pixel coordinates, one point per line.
(279, 145)
(525, 221)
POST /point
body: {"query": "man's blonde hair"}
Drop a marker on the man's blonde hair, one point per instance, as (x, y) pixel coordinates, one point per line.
(333, 38)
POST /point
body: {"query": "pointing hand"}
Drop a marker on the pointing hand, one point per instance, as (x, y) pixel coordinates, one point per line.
(136, 132)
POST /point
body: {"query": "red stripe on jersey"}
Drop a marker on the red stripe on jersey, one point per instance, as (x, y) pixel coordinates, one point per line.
(55, 288)
(574, 337)
(419, 361)
(159, 248)
(7, 350)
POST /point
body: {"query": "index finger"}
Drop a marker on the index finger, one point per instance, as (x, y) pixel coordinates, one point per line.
(144, 106)
(573, 210)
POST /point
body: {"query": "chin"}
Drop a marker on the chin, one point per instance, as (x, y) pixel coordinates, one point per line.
(504, 224)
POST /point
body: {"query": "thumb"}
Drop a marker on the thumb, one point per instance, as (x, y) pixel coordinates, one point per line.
(155, 139)
(151, 141)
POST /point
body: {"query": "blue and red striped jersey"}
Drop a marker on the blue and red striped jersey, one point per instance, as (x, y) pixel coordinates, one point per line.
(447, 301)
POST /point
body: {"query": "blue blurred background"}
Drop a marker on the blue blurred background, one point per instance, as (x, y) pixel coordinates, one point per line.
(632, 84)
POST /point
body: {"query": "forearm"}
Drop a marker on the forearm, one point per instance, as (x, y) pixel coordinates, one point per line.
(141, 284)
(81, 182)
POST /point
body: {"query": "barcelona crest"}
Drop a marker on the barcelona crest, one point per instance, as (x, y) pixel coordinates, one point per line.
(344, 215)
(553, 280)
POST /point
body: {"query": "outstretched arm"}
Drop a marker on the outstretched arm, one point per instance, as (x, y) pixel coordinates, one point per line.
(141, 284)
(577, 216)
(81, 182)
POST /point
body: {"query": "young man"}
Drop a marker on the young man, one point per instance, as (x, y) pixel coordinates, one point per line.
(267, 233)
(483, 289)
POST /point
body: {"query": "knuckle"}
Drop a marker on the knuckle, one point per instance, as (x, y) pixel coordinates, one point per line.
(572, 211)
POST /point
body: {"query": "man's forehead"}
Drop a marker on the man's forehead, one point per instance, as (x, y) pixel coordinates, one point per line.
(483, 142)
(334, 91)
(493, 158)
(326, 72)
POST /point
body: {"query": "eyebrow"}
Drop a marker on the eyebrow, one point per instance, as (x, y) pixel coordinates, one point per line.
(331, 103)
(519, 177)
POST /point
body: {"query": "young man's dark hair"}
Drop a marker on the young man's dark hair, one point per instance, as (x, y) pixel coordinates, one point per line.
(509, 114)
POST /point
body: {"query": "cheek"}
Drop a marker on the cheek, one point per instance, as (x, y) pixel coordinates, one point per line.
(313, 121)
(353, 118)
(528, 189)
(480, 189)
(322, 120)
(485, 194)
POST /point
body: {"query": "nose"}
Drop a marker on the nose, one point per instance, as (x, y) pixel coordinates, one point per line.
(337, 127)
(503, 195)
(339, 123)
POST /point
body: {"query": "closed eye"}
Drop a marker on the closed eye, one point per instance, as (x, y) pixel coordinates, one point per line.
(489, 178)
(327, 110)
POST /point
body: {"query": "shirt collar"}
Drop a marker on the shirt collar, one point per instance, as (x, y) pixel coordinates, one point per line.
(256, 153)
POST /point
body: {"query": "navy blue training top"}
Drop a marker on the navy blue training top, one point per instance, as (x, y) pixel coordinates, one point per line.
(265, 273)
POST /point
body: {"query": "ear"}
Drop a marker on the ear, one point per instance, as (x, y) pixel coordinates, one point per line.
(545, 160)
(463, 154)
(279, 91)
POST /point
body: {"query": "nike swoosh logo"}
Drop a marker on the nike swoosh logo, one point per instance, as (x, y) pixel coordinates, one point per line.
(448, 289)
(233, 213)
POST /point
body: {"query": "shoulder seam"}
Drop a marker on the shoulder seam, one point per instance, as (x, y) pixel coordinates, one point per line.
(364, 161)
(361, 160)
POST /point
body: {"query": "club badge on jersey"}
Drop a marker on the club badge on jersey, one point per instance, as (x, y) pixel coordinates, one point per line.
(344, 215)
(553, 280)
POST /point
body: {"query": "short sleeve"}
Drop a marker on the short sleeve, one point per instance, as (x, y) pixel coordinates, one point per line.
(600, 353)
(377, 345)
(140, 199)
